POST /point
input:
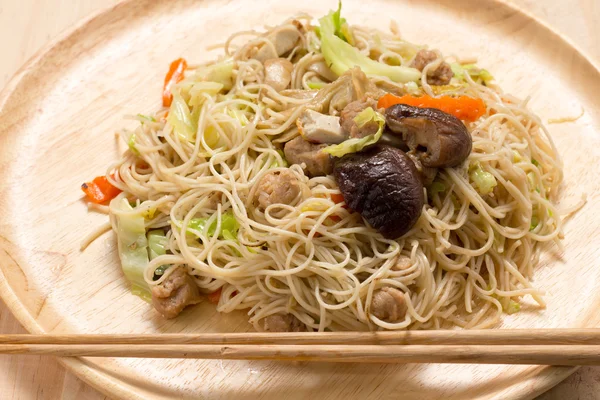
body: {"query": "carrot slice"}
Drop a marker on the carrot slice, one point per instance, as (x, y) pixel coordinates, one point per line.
(100, 190)
(175, 75)
(463, 107)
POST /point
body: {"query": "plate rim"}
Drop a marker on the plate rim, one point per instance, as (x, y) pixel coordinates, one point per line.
(114, 386)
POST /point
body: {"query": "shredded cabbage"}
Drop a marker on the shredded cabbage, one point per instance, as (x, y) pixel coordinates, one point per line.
(357, 144)
(479, 75)
(436, 187)
(221, 73)
(341, 56)
(316, 84)
(229, 226)
(131, 145)
(132, 245)
(484, 181)
(512, 307)
(180, 118)
(145, 118)
(157, 243)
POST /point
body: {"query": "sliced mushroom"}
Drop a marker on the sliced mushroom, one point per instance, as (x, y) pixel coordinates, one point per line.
(389, 304)
(282, 41)
(320, 128)
(439, 139)
(278, 73)
(323, 70)
(316, 162)
(350, 86)
(383, 185)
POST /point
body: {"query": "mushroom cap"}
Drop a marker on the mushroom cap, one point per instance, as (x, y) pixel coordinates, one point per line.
(438, 138)
(383, 185)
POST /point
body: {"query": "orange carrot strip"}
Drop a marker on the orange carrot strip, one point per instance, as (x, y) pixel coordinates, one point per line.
(100, 190)
(175, 75)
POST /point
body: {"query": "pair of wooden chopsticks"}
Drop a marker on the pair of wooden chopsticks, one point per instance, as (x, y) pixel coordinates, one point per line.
(531, 346)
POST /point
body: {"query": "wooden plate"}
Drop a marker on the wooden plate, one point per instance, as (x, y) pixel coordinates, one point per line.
(57, 122)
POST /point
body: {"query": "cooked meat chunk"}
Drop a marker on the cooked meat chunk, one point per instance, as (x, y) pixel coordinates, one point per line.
(278, 73)
(177, 292)
(383, 185)
(317, 162)
(283, 323)
(320, 128)
(282, 41)
(437, 138)
(277, 187)
(351, 111)
(439, 76)
(389, 304)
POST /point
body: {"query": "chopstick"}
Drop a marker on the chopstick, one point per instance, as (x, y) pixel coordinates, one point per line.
(541, 347)
(439, 337)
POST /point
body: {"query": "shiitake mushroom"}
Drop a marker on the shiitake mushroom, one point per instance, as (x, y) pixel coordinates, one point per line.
(439, 139)
(383, 185)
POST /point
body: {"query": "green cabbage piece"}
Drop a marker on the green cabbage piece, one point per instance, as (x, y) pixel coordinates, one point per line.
(355, 145)
(229, 226)
(512, 307)
(341, 56)
(316, 84)
(180, 118)
(436, 187)
(221, 72)
(479, 75)
(145, 118)
(131, 145)
(484, 181)
(132, 246)
(157, 243)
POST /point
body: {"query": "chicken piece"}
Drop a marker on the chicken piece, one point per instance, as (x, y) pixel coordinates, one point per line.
(316, 162)
(278, 73)
(283, 323)
(320, 128)
(277, 187)
(177, 292)
(283, 40)
(389, 304)
(351, 111)
(439, 76)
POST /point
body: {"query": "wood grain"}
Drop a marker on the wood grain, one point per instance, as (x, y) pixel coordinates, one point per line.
(31, 23)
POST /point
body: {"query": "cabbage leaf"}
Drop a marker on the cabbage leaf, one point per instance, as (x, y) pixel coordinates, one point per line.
(132, 245)
(342, 56)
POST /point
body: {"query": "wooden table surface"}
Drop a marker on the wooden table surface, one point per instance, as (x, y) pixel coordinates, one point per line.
(27, 25)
